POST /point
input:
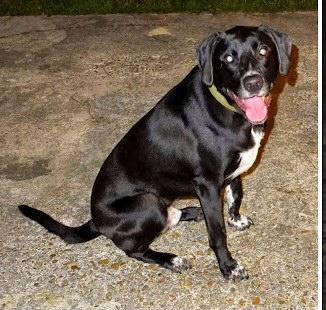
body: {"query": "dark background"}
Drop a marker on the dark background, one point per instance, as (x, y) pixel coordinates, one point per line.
(77, 7)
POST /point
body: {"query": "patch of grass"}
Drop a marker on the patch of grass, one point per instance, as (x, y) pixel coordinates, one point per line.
(74, 7)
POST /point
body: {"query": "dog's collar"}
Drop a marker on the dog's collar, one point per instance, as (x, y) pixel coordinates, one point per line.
(220, 98)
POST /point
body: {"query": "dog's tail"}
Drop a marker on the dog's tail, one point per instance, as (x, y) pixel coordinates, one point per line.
(79, 234)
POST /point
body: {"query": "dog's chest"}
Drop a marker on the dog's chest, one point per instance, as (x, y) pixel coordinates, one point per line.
(248, 157)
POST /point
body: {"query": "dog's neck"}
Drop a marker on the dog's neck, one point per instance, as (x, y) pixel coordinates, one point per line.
(220, 98)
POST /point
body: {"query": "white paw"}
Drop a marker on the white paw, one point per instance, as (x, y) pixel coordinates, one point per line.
(238, 273)
(241, 223)
(179, 264)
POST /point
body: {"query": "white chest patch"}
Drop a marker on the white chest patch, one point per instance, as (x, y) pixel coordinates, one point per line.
(248, 157)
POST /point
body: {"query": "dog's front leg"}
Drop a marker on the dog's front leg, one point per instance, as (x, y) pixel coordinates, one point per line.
(232, 198)
(210, 200)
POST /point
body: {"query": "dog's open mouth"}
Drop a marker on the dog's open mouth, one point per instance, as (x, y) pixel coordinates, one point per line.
(255, 108)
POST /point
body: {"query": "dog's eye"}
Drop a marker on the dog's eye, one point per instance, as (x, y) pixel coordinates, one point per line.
(229, 59)
(263, 51)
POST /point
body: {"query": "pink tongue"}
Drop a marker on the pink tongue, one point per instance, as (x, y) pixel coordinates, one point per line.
(255, 109)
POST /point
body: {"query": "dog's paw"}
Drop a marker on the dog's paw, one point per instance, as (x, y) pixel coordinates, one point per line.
(192, 214)
(200, 216)
(240, 223)
(238, 273)
(179, 264)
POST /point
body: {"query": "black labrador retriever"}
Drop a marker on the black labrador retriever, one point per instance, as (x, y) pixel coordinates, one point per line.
(197, 141)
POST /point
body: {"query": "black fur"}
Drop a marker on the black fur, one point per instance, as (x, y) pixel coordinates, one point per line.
(78, 234)
(187, 145)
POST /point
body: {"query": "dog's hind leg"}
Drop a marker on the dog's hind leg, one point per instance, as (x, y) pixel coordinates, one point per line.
(232, 198)
(135, 222)
(167, 260)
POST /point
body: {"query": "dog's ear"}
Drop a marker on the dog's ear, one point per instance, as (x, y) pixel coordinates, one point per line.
(283, 45)
(205, 53)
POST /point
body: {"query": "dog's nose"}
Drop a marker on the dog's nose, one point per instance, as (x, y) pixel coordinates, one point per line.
(253, 83)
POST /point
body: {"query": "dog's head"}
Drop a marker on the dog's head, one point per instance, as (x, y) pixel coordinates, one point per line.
(243, 63)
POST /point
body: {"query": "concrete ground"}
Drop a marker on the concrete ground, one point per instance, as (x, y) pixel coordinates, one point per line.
(70, 88)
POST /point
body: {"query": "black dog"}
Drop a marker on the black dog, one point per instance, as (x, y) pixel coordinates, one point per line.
(197, 141)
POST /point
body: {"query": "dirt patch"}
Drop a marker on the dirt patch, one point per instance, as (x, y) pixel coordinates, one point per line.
(12, 169)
